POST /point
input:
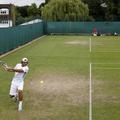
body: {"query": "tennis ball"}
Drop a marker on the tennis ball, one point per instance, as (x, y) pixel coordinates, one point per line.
(41, 81)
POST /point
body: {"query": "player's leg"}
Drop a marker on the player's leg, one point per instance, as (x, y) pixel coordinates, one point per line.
(20, 96)
(13, 90)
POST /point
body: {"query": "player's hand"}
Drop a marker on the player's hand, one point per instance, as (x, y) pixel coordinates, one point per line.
(6, 68)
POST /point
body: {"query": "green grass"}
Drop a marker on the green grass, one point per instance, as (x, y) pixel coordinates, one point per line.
(62, 62)
(106, 78)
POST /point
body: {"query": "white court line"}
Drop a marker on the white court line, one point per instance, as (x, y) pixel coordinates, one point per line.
(109, 68)
(90, 85)
(106, 51)
(106, 68)
(90, 47)
(105, 63)
(90, 91)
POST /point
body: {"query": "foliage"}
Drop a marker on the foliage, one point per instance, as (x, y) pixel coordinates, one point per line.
(22, 10)
(64, 10)
(109, 12)
(113, 10)
(33, 10)
(70, 10)
(19, 18)
(26, 13)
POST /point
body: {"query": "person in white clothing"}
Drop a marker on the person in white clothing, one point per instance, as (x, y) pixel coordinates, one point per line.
(17, 84)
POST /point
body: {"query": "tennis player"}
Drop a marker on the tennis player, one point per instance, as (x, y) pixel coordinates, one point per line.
(17, 83)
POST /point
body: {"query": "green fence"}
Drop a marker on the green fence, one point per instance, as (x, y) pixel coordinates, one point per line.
(11, 38)
(82, 27)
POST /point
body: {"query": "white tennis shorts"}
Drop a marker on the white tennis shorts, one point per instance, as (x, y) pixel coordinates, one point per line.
(15, 86)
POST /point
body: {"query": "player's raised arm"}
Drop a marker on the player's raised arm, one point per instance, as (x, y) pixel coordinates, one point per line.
(13, 69)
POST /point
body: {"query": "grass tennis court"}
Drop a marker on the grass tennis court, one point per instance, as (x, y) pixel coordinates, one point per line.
(63, 63)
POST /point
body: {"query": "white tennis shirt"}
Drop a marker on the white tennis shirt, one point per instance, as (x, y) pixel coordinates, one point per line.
(19, 76)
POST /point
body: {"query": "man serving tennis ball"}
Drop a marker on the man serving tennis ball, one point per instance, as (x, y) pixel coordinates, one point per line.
(17, 84)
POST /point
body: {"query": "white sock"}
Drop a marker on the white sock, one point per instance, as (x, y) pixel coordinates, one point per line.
(20, 103)
(20, 106)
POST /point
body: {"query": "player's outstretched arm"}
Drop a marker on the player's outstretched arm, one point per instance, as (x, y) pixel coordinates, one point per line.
(9, 69)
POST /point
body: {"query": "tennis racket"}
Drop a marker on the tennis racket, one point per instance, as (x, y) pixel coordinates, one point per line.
(3, 64)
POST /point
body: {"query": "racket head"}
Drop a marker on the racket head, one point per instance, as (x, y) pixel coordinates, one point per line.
(2, 63)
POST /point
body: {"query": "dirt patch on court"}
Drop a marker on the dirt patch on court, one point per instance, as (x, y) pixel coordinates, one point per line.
(67, 90)
(60, 89)
(77, 42)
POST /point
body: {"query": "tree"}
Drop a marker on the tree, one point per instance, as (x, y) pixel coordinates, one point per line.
(33, 10)
(95, 9)
(109, 12)
(19, 19)
(65, 10)
(22, 10)
(113, 10)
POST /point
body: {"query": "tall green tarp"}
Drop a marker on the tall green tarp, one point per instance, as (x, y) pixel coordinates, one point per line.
(13, 37)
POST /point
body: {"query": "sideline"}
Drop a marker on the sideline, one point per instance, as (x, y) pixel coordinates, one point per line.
(90, 45)
(90, 91)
